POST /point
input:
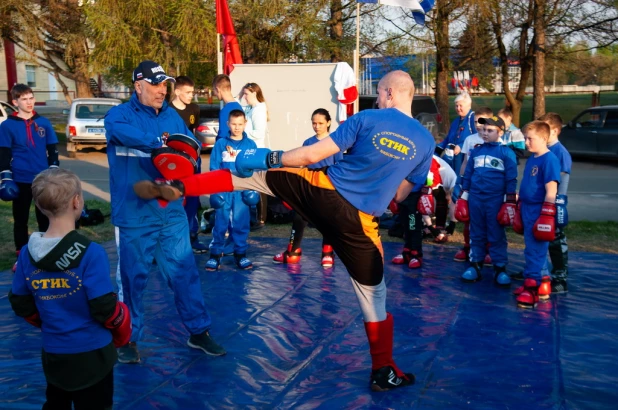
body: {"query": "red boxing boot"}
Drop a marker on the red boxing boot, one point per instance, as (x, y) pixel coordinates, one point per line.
(403, 258)
(416, 261)
(328, 257)
(529, 296)
(288, 256)
(385, 374)
(545, 288)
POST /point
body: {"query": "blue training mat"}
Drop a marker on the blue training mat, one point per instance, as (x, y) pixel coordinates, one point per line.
(295, 339)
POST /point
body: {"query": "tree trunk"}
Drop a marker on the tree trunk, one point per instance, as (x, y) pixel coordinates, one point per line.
(442, 63)
(538, 100)
(335, 28)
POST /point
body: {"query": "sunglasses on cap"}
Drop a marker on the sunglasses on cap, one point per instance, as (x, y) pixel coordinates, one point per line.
(156, 80)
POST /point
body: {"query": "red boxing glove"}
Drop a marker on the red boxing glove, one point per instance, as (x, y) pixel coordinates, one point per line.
(506, 216)
(544, 228)
(34, 320)
(518, 225)
(462, 214)
(120, 325)
(426, 204)
(393, 207)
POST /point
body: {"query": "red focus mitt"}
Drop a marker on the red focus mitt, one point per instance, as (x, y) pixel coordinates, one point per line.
(120, 324)
(173, 164)
(184, 143)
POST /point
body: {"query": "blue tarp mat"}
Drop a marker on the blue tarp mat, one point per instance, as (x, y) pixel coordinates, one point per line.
(295, 339)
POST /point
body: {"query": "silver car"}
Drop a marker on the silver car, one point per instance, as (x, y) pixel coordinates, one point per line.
(86, 125)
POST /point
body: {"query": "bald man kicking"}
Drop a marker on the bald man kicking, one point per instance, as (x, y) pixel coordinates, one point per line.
(388, 152)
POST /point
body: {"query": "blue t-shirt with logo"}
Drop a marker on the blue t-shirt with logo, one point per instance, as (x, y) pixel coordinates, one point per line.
(326, 162)
(224, 116)
(384, 147)
(538, 172)
(61, 297)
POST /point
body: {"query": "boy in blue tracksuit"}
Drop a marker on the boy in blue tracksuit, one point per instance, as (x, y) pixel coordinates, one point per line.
(537, 212)
(232, 208)
(489, 192)
(148, 229)
(28, 145)
(62, 286)
(558, 248)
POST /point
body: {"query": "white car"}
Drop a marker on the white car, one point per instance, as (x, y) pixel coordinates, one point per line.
(86, 124)
(6, 110)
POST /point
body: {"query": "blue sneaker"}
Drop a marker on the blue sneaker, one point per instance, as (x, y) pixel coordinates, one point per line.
(473, 273)
(213, 263)
(501, 278)
(242, 261)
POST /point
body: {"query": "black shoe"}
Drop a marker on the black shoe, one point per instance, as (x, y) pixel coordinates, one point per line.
(204, 342)
(559, 286)
(385, 379)
(128, 353)
(517, 276)
(450, 227)
(257, 226)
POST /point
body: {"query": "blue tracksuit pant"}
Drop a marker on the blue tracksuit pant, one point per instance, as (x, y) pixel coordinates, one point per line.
(170, 245)
(192, 204)
(535, 251)
(235, 215)
(485, 228)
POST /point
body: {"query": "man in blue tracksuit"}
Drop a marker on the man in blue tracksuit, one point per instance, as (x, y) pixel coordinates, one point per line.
(460, 128)
(151, 230)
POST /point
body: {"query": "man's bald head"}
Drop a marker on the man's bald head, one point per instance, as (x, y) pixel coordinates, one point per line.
(400, 82)
(396, 90)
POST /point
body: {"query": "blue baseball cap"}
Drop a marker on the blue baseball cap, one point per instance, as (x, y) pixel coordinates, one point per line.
(151, 72)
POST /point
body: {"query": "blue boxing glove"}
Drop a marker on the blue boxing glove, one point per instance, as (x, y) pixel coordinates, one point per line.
(8, 188)
(250, 198)
(457, 190)
(562, 216)
(257, 159)
(217, 201)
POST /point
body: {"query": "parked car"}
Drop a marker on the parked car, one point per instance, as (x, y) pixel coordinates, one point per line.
(6, 110)
(424, 109)
(86, 124)
(594, 132)
(206, 131)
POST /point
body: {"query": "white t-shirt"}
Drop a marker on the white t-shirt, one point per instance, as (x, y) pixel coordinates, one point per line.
(257, 125)
(447, 174)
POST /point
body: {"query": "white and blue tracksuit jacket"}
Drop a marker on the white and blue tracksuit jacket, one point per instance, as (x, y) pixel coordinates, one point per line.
(234, 213)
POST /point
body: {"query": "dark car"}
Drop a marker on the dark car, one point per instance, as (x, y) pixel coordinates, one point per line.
(594, 132)
(424, 109)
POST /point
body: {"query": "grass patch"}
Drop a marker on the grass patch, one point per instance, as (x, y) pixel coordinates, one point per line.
(567, 105)
(583, 236)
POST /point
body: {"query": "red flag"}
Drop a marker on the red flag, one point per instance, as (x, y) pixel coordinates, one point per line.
(225, 27)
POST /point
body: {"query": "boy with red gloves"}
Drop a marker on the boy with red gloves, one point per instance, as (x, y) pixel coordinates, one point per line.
(62, 286)
(536, 212)
(488, 201)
